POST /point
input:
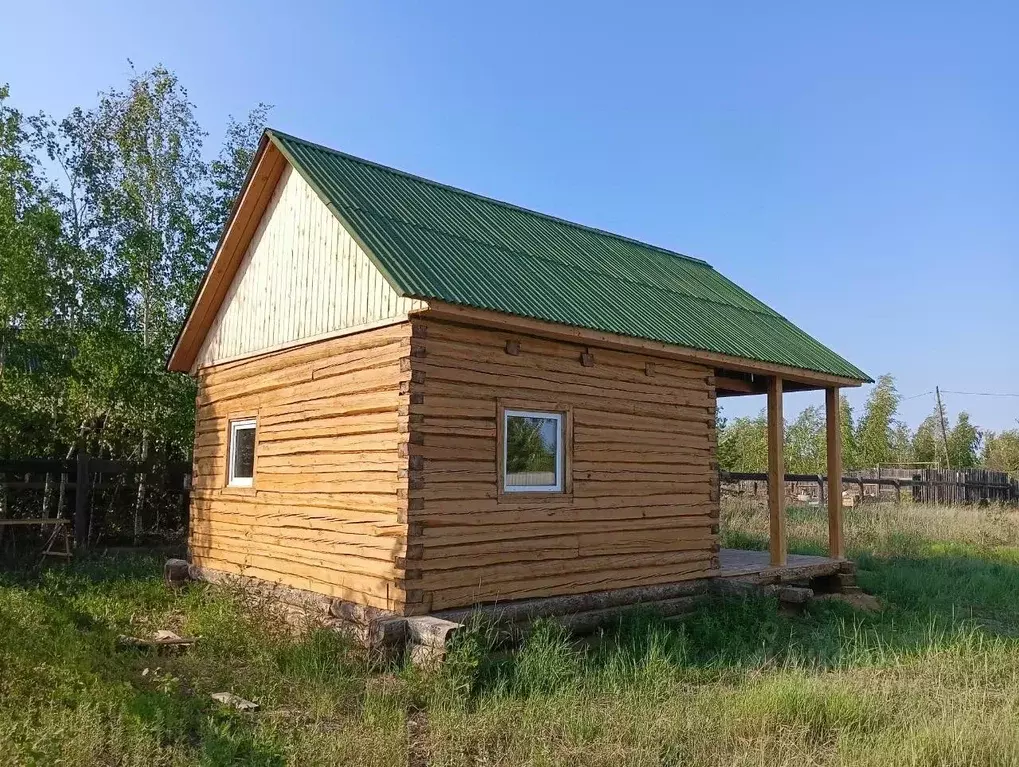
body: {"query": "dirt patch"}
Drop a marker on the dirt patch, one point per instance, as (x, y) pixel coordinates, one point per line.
(417, 738)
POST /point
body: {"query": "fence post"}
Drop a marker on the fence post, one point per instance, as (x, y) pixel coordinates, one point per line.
(859, 482)
(81, 510)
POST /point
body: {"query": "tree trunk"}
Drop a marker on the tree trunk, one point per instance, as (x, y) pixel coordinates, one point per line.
(47, 491)
(140, 499)
(47, 494)
(62, 495)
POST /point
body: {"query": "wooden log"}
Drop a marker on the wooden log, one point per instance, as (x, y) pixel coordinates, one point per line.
(528, 610)
(585, 623)
(176, 573)
(161, 639)
(567, 584)
(833, 429)
(81, 502)
(42, 522)
(369, 591)
(583, 568)
(776, 473)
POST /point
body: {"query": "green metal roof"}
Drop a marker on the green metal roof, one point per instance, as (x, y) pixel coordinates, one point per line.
(435, 241)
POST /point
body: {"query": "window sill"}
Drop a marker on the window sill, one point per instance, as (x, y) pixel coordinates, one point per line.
(240, 490)
(532, 497)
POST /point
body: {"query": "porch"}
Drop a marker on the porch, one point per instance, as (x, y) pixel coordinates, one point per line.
(730, 383)
(756, 566)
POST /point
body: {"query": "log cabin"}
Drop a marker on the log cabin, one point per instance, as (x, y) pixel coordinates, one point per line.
(415, 398)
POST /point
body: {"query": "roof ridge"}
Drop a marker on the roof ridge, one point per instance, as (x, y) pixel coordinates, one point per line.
(503, 203)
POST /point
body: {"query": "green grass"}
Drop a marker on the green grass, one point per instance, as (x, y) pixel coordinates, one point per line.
(931, 679)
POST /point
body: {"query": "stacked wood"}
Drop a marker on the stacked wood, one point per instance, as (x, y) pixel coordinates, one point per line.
(641, 505)
(326, 511)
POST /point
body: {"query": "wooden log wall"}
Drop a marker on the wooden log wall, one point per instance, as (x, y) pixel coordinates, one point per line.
(327, 509)
(643, 507)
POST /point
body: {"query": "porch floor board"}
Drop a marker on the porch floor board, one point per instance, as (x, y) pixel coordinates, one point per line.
(734, 563)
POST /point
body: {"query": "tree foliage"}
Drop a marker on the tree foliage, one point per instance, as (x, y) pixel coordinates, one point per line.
(743, 444)
(955, 446)
(526, 446)
(99, 263)
(876, 435)
(1001, 451)
(879, 437)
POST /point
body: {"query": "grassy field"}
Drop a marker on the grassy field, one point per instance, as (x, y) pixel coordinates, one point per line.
(931, 679)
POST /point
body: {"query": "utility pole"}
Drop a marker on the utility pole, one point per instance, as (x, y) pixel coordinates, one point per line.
(944, 430)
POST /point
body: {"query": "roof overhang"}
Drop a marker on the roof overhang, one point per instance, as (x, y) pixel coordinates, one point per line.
(745, 371)
(266, 168)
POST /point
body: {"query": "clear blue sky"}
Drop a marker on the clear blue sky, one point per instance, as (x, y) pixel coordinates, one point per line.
(855, 167)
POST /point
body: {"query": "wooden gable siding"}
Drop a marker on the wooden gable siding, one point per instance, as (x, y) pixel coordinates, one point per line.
(643, 506)
(327, 509)
(302, 277)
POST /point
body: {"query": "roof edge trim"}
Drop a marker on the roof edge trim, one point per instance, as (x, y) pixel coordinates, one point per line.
(182, 358)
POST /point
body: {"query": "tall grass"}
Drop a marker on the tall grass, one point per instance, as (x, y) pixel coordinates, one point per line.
(931, 679)
(880, 528)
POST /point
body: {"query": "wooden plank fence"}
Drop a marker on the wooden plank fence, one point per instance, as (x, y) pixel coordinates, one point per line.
(964, 486)
(81, 479)
(927, 486)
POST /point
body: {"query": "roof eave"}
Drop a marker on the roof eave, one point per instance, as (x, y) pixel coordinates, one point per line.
(530, 326)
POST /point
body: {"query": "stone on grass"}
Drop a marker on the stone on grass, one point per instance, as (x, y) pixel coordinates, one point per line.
(229, 699)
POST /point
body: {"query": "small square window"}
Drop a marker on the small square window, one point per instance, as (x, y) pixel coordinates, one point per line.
(532, 452)
(242, 452)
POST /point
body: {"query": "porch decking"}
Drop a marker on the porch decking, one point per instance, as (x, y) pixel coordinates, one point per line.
(739, 563)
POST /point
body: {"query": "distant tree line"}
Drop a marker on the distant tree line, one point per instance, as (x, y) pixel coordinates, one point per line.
(878, 436)
(108, 218)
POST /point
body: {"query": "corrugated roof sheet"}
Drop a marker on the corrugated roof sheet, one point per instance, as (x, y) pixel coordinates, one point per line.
(435, 241)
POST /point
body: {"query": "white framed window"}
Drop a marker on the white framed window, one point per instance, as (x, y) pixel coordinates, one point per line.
(242, 453)
(532, 451)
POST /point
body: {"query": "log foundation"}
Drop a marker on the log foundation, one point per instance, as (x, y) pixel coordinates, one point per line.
(425, 637)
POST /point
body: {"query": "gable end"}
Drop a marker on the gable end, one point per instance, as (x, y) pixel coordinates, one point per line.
(287, 273)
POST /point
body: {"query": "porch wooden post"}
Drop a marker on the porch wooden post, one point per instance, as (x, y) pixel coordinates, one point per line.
(776, 473)
(836, 543)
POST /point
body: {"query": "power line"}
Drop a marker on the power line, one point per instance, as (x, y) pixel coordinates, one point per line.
(981, 393)
(963, 393)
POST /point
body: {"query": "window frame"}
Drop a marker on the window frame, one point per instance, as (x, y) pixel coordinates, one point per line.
(561, 418)
(236, 425)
